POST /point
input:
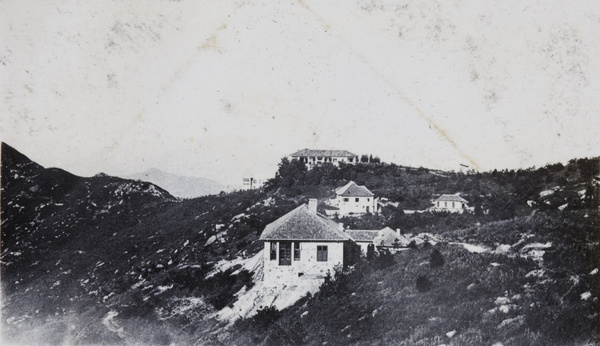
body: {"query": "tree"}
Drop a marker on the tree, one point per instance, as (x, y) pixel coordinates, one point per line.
(290, 172)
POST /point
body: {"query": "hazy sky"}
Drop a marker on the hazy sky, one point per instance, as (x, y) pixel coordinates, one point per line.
(224, 89)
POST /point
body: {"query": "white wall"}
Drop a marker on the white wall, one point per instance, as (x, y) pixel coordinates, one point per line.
(307, 265)
(352, 206)
(452, 207)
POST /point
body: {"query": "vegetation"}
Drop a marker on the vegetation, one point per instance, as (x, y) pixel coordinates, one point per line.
(104, 260)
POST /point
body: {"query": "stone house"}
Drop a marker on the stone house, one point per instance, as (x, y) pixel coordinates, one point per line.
(304, 244)
(451, 203)
(355, 199)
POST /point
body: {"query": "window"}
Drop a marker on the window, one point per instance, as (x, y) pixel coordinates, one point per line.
(273, 251)
(285, 253)
(346, 199)
(321, 253)
(356, 199)
(296, 251)
(452, 204)
(368, 199)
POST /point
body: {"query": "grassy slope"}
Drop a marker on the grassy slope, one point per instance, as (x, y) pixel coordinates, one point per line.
(485, 297)
(508, 296)
(124, 246)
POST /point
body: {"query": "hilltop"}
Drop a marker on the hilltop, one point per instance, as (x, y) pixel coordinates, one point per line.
(106, 260)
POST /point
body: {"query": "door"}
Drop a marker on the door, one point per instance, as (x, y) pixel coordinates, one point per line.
(285, 253)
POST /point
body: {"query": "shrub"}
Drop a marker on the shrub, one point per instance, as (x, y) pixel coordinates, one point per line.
(423, 284)
(436, 259)
(384, 259)
(266, 316)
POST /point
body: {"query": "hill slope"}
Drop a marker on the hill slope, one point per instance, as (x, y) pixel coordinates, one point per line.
(76, 249)
(105, 260)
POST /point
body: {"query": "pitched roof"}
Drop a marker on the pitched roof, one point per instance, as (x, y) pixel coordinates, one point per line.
(451, 198)
(325, 153)
(353, 190)
(385, 237)
(362, 235)
(302, 224)
(388, 236)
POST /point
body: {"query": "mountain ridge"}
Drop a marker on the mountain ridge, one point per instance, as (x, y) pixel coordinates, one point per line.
(180, 186)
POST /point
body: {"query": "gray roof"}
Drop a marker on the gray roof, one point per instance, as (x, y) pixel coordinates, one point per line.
(451, 198)
(302, 224)
(385, 237)
(362, 234)
(324, 153)
(388, 236)
(353, 190)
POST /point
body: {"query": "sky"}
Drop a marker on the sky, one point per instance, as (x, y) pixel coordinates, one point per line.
(225, 89)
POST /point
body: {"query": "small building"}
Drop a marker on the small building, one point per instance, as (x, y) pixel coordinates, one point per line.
(450, 203)
(249, 183)
(304, 244)
(385, 238)
(389, 239)
(363, 238)
(355, 199)
(312, 158)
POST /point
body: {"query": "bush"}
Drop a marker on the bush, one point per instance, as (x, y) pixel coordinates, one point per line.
(423, 284)
(436, 259)
(384, 259)
(265, 317)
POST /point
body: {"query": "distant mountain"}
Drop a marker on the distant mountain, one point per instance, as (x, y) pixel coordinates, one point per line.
(86, 249)
(180, 186)
(112, 261)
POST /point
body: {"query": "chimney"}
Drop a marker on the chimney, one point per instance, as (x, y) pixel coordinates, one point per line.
(341, 227)
(312, 205)
(398, 231)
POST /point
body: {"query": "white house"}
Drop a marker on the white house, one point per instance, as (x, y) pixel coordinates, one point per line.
(249, 183)
(451, 203)
(304, 244)
(312, 158)
(355, 199)
(385, 238)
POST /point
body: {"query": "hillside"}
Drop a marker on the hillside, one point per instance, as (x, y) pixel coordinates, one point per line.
(105, 260)
(178, 186)
(76, 249)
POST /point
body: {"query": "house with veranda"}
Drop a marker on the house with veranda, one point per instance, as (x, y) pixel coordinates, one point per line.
(313, 158)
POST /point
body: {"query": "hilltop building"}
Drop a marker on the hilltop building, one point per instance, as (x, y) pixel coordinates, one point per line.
(312, 158)
(304, 244)
(451, 203)
(355, 199)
